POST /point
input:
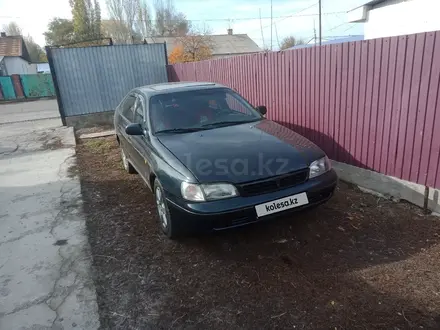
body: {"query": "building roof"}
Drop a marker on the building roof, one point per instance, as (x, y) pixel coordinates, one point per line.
(360, 14)
(14, 46)
(222, 44)
(333, 40)
(372, 3)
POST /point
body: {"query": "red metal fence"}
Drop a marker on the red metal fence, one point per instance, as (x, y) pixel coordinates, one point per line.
(373, 104)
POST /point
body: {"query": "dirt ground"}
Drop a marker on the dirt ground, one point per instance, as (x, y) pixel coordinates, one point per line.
(357, 262)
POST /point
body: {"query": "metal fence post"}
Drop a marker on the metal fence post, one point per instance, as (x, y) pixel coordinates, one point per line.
(55, 85)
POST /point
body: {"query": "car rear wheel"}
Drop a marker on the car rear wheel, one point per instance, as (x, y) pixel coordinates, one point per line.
(125, 162)
(166, 222)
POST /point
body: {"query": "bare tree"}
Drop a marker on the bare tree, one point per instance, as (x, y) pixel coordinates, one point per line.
(195, 46)
(12, 29)
(117, 30)
(143, 24)
(129, 20)
(170, 22)
(291, 41)
(122, 17)
(34, 50)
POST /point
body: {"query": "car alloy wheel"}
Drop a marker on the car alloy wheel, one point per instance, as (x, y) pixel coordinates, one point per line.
(161, 208)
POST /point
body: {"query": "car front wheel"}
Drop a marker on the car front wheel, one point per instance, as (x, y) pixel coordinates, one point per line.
(166, 222)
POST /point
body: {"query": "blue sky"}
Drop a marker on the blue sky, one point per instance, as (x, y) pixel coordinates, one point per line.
(291, 17)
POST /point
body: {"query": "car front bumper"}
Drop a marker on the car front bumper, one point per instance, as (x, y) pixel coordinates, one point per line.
(239, 211)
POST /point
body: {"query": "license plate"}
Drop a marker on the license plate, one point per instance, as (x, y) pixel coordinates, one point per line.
(281, 204)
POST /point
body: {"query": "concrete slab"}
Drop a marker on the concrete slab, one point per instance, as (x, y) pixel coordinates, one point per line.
(388, 186)
(97, 135)
(45, 261)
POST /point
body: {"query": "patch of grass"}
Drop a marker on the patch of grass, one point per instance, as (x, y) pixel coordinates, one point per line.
(99, 145)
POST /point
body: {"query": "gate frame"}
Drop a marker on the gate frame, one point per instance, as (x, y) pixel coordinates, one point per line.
(55, 85)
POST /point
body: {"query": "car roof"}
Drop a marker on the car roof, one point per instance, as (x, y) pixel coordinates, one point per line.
(175, 87)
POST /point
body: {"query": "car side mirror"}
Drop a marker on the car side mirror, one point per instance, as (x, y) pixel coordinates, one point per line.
(134, 129)
(262, 109)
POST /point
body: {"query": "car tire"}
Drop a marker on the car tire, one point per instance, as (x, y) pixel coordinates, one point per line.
(126, 163)
(166, 222)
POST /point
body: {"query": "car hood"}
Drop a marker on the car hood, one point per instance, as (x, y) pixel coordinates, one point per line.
(242, 153)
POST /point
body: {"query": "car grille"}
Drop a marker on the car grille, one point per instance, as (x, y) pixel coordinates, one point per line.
(273, 184)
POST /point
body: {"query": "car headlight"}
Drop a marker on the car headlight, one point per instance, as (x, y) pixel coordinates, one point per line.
(207, 192)
(319, 167)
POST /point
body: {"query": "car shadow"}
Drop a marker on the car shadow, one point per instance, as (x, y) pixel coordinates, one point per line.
(327, 143)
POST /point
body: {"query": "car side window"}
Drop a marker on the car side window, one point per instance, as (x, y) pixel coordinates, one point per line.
(127, 107)
(139, 112)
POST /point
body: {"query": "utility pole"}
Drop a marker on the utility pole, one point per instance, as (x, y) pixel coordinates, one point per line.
(276, 34)
(320, 23)
(262, 34)
(314, 31)
(271, 23)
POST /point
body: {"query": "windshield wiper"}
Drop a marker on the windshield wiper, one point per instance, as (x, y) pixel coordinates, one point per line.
(180, 130)
(231, 122)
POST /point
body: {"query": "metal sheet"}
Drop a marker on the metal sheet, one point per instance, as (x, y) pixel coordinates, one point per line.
(37, 85)
(95, 79)
(7, 88)
(373, 103)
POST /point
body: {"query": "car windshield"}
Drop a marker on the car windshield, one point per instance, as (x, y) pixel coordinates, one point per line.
(197, 110)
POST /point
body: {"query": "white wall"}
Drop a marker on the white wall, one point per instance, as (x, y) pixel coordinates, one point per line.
(43, 67)
(16, 65)
(397, 17)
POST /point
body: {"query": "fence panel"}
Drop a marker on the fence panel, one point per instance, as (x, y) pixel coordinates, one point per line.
(37, 85)
(7, 88)
(373, 104)
(95, 79)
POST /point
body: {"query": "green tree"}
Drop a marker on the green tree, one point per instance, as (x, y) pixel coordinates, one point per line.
(86, 19)
(59, 32)
(97, 21)
(80, 20)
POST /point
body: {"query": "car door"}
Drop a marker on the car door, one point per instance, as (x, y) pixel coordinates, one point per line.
(141, 143)
(126, 118)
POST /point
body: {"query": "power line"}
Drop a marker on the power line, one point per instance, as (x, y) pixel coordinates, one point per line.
(218, 19)
(293, 15)
(320, 23)
(335, 27)
(296, 14)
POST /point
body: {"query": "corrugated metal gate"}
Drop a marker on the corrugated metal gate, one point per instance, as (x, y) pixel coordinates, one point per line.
(95, 79)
